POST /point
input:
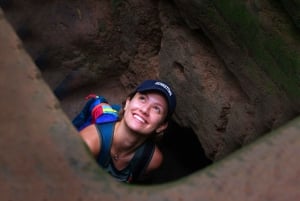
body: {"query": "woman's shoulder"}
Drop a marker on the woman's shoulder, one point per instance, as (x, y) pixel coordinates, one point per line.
(90, 136)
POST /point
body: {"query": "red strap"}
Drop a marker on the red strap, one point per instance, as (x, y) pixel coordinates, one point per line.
(91, 96)
(96, 112)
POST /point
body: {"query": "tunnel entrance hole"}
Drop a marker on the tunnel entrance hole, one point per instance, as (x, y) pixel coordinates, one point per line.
(183, 155)
(182, 150)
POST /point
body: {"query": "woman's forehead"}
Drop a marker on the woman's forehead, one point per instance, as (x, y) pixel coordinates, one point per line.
(155, 95)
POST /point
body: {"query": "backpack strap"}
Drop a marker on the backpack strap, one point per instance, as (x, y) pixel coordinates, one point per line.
(142, 159)
(83, 118)
(106, 131)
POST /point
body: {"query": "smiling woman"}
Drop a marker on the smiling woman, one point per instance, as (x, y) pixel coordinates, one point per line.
(125, 147)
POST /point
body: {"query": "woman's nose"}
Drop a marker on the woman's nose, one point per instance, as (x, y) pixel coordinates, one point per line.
(145, 108)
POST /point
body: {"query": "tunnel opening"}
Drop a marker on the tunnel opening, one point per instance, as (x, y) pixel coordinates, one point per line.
(182, 151)
(183, 155)
(181, 148)
(277, 151)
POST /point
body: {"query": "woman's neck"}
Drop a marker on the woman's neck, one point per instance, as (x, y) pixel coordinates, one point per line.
(125, 140)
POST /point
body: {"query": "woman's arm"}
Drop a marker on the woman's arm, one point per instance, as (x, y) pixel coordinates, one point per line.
(91, 138)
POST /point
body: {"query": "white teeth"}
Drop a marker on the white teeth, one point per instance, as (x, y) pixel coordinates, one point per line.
(139, 118)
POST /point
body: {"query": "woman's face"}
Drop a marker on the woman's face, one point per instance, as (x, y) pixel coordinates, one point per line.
(145, 113)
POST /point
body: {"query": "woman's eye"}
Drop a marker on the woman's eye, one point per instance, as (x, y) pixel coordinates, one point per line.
(142, 98)
(157, 109)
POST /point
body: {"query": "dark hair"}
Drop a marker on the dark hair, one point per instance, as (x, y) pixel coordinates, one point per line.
(130, 96)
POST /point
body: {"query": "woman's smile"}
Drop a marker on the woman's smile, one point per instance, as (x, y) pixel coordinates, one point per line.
(139, 118)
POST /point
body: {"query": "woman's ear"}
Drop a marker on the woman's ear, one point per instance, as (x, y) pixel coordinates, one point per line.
(162, 127)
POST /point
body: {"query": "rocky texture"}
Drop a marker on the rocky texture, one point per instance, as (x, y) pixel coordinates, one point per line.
(43, 158)
(234, 65)
(238, 62)
(292, 8)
